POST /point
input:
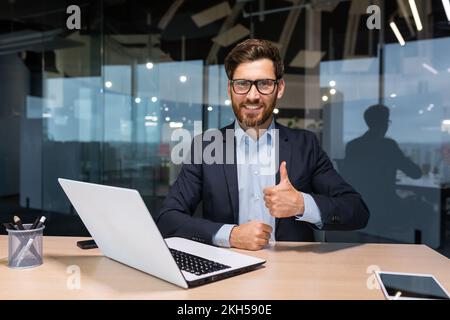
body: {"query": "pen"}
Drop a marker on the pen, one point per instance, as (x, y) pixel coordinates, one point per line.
(41, 222)
(35, 224)
(24, 251)
(18, 223)
(9, 226)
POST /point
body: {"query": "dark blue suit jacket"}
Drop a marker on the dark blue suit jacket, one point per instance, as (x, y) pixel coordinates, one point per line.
(309, 170)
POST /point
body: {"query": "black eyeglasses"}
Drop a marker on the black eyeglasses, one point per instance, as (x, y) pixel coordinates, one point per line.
(264, 86)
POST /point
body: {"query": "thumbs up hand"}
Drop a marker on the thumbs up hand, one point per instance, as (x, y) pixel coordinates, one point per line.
(283, 200)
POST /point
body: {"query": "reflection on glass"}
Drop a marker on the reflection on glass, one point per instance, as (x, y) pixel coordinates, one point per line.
(370, 165)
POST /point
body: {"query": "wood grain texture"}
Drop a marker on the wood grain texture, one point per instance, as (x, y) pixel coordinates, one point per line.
(292, 271)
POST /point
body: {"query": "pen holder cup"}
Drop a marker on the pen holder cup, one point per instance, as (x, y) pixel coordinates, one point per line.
(25, 247)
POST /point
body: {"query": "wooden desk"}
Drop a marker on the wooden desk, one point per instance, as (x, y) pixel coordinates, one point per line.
(292, 271)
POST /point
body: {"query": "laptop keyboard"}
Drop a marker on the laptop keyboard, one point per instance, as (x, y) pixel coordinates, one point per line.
(195, 264)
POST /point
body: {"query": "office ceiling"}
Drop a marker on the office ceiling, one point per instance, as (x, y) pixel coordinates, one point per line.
(169, 28)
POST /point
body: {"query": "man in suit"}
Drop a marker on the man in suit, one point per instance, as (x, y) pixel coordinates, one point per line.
(244, 205)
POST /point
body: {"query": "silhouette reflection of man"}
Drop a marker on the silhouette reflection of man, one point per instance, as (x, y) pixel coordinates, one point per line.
(371, 165)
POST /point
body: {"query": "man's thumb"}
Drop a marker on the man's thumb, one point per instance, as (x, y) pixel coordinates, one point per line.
(283, 172)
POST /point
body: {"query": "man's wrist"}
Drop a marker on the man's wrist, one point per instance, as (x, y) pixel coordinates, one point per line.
(222, 237)
(311, 212)
(301, 204)
(234, 239)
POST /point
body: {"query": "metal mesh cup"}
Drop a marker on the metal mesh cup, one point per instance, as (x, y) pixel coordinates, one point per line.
(25, 247)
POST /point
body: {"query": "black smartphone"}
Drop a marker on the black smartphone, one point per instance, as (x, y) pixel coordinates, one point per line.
(87, 244)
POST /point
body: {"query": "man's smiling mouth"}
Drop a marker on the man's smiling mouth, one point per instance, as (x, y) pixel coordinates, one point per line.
(252, 107)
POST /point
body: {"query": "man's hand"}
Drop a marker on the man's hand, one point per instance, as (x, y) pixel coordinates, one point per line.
(253, 235)
(283, 200)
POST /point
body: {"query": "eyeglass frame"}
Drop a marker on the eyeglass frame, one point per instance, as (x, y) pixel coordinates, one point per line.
(254, 82)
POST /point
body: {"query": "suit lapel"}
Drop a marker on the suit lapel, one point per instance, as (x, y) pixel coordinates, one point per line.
(284, 155)
(230, 170)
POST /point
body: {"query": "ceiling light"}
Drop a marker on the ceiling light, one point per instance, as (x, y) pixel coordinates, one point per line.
(430, 68)
(151, 118)
(397, 34)
(176, 124)
(412, 4)
(446, 4)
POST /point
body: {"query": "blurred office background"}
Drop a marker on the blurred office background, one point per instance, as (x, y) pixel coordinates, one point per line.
(99, 104)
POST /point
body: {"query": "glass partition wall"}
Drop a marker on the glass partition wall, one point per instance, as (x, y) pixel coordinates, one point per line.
(100, 102)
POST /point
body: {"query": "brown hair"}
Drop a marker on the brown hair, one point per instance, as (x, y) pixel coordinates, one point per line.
(252, 50)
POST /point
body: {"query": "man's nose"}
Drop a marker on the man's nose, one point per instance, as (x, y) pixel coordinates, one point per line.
(253, 94)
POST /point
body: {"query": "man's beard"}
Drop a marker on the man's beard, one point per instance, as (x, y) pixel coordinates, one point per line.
(253, 122)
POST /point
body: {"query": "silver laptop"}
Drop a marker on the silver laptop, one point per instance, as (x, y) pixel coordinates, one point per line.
(124, 230)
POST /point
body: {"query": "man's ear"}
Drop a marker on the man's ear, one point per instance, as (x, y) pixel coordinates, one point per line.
(281, 87)
(229, 89)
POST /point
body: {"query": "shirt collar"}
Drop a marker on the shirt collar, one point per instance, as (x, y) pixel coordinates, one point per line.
(239, 133)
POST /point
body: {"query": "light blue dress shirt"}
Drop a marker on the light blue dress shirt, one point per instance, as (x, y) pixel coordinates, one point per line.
(253, 176)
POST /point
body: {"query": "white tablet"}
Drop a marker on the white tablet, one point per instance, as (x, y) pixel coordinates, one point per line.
(410, 286)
